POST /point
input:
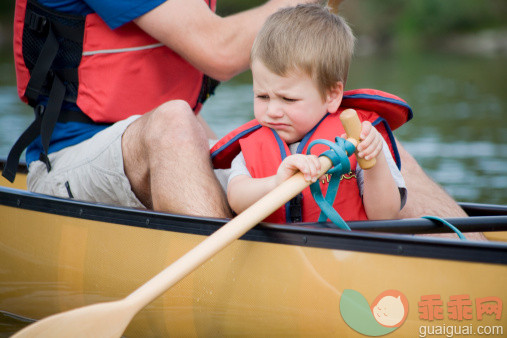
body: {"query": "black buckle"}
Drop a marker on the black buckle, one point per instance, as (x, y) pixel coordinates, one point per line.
(37, 23)
(39, 111)
(207, 89)
(44, 158)
(295, 209)
(49, 77)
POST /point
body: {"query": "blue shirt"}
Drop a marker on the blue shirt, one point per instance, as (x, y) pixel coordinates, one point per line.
(115, 13)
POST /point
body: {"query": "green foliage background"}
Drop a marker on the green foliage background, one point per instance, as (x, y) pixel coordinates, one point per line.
(425, 17)
(410, 23)
(405, 23)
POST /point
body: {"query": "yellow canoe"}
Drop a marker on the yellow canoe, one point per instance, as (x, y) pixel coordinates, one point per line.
(277, 280)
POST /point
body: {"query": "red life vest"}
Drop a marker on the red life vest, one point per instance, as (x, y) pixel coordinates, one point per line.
(264, 150)
(121, 72)
(109, 74)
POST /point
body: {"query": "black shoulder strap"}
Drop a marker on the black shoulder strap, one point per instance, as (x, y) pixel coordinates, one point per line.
(52, 72)
(9, 171)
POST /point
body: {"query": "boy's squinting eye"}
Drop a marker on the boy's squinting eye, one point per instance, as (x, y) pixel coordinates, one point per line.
(288, 99)
(262, 97)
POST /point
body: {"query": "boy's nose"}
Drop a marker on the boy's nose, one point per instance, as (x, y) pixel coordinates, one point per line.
(274, 109)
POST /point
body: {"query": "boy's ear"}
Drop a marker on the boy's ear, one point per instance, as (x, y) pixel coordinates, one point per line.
(334, 97)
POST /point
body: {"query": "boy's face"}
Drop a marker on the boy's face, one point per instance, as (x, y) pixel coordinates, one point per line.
(290, 105)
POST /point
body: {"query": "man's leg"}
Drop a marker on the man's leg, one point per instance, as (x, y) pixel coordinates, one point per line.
(167, 161)
(425, 197)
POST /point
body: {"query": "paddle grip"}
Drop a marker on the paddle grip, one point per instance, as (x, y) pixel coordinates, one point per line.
(352, 127)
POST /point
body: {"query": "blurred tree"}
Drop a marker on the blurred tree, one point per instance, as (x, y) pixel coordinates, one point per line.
(6, 15)
(390, 23)
(419, 24)
(434, 17)
(226, 7)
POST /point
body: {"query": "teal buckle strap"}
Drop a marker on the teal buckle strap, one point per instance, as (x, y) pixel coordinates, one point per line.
(338, 153)
(444, 222)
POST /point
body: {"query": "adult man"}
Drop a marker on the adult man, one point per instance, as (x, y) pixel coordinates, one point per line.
(124, 68)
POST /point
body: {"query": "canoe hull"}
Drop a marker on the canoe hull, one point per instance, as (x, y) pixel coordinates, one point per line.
(52, 263)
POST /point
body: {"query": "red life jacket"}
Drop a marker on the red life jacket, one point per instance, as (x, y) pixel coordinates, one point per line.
(120, 72)
(109, 74)
(264, 150)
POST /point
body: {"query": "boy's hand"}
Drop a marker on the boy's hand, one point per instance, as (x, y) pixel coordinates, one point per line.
(371, 141)
(309, 165)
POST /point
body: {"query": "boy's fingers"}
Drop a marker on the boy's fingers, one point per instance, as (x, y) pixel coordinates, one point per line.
(365, 129)
(373, 148)
(366, 136)
(308, 165)
(375, 151)
(301, 164)
(312, 163)
(365, 143)
(310, 169)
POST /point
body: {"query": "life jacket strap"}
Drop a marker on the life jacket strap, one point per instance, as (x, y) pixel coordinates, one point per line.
(45, 121)
(44, 28)
(9, 171)
(207, 89)
(42, 66)
(295, 209)
(50, 116)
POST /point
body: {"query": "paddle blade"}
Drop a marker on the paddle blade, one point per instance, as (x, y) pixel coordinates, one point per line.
(97, 320)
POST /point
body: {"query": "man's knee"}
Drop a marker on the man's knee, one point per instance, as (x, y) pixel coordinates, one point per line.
(173, 108)
(173, 122)
(175, 113)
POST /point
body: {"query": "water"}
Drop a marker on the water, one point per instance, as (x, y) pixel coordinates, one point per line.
(458, 133)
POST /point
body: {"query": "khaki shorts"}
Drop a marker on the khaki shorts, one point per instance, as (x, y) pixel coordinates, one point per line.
(89, 171)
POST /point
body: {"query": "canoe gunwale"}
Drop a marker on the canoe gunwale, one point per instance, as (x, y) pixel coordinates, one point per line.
(305, 235)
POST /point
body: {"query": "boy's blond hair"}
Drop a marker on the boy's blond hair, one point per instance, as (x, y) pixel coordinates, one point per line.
(306, 38)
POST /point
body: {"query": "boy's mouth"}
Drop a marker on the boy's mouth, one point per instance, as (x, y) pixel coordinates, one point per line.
(277, 125)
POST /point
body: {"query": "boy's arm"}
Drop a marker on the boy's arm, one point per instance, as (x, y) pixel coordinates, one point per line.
(381, 197)
(243, 190)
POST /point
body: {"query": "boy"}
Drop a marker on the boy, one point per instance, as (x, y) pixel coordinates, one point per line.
(299, 63)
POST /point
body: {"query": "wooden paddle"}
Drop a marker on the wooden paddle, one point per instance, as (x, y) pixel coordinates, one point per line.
(352, 127)
(112, 318)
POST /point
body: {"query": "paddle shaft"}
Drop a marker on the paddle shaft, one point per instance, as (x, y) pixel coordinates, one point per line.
(231, 231)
